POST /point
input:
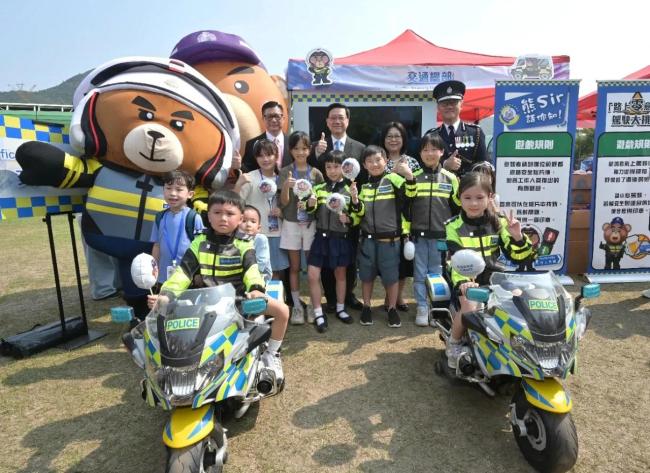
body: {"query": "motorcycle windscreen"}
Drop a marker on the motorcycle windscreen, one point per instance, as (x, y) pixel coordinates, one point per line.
(537, 299)
(187, 321)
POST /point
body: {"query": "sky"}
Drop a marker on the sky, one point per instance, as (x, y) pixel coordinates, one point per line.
(45, 42)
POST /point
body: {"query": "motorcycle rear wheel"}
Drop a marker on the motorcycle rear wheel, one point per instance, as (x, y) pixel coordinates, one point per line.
(191, 459)
(551, 443)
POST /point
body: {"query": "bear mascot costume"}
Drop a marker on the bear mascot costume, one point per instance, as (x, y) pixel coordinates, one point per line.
(135, 119)
(230, 64)
(614, 234)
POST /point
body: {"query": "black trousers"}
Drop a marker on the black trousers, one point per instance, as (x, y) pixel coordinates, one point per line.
(327, 275)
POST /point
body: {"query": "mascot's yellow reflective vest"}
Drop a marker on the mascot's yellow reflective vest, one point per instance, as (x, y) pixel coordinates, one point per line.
(383, 201)
(120, 203)
(481, 235)
(218, 259)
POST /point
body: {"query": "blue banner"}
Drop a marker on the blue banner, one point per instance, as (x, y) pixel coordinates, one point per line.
(534, 135)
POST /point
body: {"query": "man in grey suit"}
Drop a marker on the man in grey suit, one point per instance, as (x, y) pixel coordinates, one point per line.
(273, 114)
(337, 120)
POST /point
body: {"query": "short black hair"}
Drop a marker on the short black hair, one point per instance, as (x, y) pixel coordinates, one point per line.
(334, 156)
(179, 177)
(433, 139)
(402, 132)
(297, 137)
(271, 104)
(372, 149)
(252, 207)
(334, 105)
(226, 197)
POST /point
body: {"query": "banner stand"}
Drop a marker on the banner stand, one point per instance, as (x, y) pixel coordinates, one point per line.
(617, 277)
(69, 333)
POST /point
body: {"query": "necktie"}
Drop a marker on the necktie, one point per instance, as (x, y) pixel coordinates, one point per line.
(337, 145)
(277, 143)
(452, 137)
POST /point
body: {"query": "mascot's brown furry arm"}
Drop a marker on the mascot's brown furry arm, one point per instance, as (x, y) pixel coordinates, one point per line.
(135, 119)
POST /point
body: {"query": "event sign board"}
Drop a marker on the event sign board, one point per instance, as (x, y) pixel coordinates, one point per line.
(620, 239)
(18, 200)
(534, 129)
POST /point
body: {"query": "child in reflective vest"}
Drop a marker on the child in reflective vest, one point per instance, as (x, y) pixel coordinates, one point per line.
(478, 228)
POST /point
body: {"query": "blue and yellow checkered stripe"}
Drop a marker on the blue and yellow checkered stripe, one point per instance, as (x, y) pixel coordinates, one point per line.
(224, 343)
(37, 206)
(26, 129)
(237, 378)
(511, 327)
(367, 97)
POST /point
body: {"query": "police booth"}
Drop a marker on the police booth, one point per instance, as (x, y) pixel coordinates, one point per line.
(394, 82)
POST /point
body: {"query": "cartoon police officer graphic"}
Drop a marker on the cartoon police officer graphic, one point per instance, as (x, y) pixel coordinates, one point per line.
(319, 64)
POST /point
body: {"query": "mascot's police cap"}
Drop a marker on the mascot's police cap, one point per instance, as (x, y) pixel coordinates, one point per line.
(169, 77)
(617, 221)
(449, 90)
(211, 45)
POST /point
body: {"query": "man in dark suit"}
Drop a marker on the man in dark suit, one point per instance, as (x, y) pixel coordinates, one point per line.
(337, 120)
(464, 142)
(273, 115)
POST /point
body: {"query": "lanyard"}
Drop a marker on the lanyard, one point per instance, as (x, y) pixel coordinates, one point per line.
(178, 236)
(295, 172)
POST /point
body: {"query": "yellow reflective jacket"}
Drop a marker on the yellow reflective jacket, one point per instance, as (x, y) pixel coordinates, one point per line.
(218, 259)
(480, 234)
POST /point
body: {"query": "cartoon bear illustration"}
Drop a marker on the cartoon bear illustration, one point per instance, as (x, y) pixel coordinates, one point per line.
(319, 63)
(614, 234)
(230, 63)
(134, 119)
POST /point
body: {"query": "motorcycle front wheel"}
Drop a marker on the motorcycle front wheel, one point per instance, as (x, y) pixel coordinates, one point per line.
(551, 441)
(200, 457)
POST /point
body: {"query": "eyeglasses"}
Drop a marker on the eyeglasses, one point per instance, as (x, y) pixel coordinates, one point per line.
(393, 137)
(274, 116)
(338, 118)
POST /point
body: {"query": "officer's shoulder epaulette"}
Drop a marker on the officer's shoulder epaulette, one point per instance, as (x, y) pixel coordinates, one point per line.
(433, 130)
(244, 236)
(472, 125)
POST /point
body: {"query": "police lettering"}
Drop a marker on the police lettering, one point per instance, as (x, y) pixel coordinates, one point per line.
(182, 324)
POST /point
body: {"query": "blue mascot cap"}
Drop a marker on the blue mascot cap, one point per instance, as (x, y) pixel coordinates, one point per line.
(211, 45)
(617, 221)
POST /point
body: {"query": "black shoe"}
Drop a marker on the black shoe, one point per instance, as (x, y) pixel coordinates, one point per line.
(321, 323)
(402, 307)
(353, 303)
(329, 308)
(393, 319)
(344, 317)
(366, 316)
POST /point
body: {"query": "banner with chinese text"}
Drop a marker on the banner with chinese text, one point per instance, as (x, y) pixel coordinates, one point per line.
(620, 240)
(534, 136)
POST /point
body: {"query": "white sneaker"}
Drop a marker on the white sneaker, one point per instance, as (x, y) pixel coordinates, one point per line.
(646, 293)
(273, 361)
(422, 317)
(453, 352)
(310, 314)
(297, 315)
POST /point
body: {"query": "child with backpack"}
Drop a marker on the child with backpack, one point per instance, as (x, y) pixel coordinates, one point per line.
(176, 226)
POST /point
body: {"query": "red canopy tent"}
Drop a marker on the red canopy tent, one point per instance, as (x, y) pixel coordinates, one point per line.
(587, 105)
(410, 49)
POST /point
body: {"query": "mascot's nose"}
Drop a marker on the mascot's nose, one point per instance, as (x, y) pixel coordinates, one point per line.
(155, 135)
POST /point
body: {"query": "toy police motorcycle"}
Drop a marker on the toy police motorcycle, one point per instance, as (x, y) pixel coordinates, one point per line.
(527, 327)
(201, 358)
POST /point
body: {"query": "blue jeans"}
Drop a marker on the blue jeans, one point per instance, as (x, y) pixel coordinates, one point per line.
(427, 260)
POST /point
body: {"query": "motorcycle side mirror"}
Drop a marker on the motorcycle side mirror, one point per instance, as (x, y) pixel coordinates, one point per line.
(477, 294)
(254, 306)
(589, 291)
(441, 245)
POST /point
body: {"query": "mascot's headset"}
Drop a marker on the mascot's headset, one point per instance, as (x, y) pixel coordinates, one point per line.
(169, 77)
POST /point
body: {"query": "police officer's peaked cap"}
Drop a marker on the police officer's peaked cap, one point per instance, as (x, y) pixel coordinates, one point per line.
(449, 90)
(617, 221)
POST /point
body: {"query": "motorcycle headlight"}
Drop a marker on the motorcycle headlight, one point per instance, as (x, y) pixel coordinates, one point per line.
(209, 371)
(552, 358)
